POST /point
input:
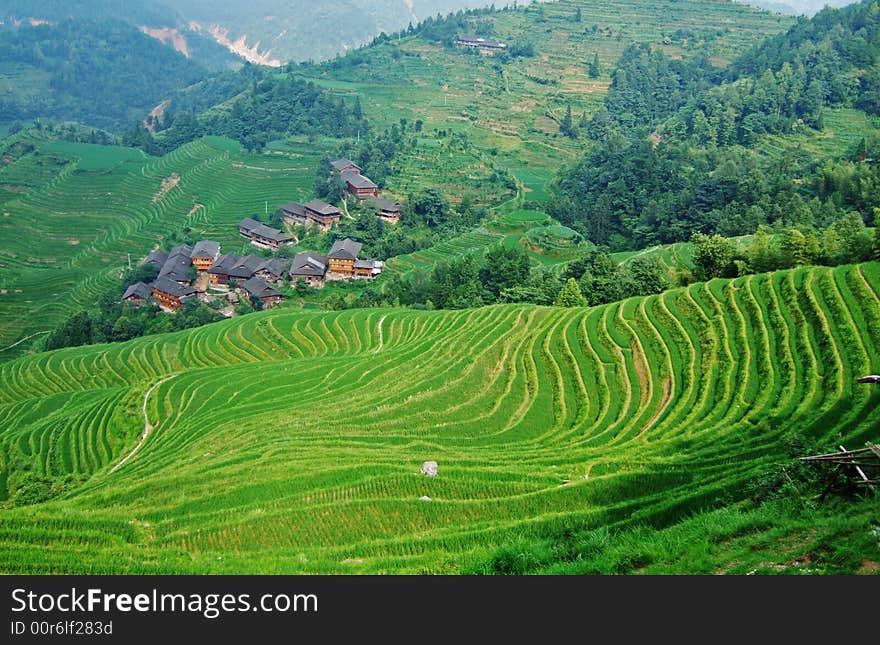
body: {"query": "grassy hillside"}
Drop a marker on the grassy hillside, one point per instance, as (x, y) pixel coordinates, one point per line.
(512, 109)
(72, 213)
(292, 441)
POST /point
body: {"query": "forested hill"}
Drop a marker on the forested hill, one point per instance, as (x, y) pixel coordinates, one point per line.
(102, 72)
(683, 146)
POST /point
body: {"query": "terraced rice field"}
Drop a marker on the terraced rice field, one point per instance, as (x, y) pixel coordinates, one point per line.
(72, 213)
(291, 441)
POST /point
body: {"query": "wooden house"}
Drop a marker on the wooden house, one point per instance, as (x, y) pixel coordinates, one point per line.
(345, 165)
(137, 294)
(177, 266)
(359, 186)
(262, 235)
(171, 294)
(343, 254)
(273, 270)
(322, 213)
(386, 209)
(204, 254)
(367, 268)
(258, 289)
(310, 268)
(294, 213)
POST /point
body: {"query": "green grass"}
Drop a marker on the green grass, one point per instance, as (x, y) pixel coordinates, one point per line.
(290, 441)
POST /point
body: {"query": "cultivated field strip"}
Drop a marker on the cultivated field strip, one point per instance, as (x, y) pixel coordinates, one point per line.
(290, 441)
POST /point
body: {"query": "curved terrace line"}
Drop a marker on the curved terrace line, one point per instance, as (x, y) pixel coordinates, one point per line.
(147, 427)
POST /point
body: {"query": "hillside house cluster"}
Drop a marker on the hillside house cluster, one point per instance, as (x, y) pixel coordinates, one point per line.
(181, 267)
(323, 215)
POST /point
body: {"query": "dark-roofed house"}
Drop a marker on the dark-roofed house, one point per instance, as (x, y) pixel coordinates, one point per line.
(358, 185)
(204, 253)
(246, 225)
(170, 294)
(262, 235)
(156, 259)
(322, 213)
(310, 268)
(484, 46)
(176, 267)
(367, 268)
(294, 213)
(345, 165)
(219, 272)
(258, 289)
(342, 257)
(273, 270)
(387, 210)
(137, 293)
(245, 267)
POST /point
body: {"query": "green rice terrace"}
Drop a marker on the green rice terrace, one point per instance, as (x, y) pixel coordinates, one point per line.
(72, 214)
(292, 441)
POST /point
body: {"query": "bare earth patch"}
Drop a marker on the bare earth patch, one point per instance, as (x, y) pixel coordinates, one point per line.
(73, 242)
(869, 568)
(167, 184)
(195, 209)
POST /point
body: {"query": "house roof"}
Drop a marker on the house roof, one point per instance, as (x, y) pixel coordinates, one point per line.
(357, 180)
(322, 208)
(293, 208)
(138, 289)
(224, 263)
(385, 204)
(346, 249)
(275, 266)
(260, 288)
(183, 250)
(176, 267)
(206, 249)
(342, 164)
(156, 258)
(172, 288)
(308, 263)
(246, 266)
(248, 223)
(269, 233)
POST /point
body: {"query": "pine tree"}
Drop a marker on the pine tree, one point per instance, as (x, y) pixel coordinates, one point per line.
(593, 70)
(570, 295)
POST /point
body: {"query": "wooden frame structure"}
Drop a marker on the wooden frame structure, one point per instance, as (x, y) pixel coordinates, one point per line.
(862, 465)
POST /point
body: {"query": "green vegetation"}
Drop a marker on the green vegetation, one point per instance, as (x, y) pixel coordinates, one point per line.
(290, 441)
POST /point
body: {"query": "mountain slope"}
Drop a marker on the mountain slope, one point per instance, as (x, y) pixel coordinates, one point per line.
(291, 442)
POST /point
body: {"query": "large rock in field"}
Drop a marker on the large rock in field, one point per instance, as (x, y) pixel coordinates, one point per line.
(429, 468)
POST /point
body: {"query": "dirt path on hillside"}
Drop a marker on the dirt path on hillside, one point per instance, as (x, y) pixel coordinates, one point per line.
(19, 342)
(379, 330)
(147, 427)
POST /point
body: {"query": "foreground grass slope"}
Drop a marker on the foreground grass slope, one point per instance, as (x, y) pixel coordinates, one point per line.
(291, 441)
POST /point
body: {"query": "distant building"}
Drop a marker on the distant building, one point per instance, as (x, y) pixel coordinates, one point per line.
(367, 268)
(359, 186)
(386, 209)
(262, 235)
(484, 46)
(137, 294)
(294, 213)
(204, 254)
(170, 294)
(176, 266)
(343, 254)
(323, 214)
(258, 289)
(310, 268)
(272, 270)
(345, 165)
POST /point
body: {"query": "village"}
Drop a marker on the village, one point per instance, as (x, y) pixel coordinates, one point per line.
(200, 271)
